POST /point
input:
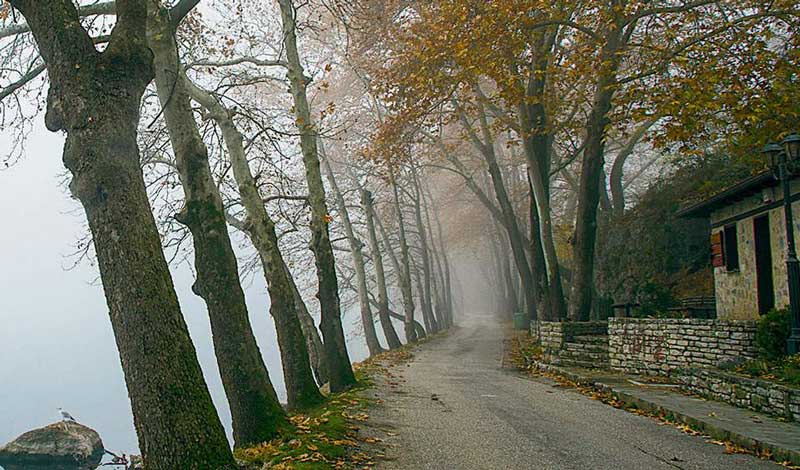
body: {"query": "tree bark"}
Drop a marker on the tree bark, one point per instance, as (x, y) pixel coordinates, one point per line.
(339, 368)
(94, 97)
(367, 320)
(316, 350)
(301, 389)
(257, 414)
(380, 275)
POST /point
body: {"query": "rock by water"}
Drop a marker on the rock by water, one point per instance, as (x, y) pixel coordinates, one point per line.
(64, 445)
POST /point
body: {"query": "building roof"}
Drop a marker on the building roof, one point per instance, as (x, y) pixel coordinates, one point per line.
(737, 192)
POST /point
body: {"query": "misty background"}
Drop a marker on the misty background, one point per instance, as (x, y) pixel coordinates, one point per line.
(56, 344)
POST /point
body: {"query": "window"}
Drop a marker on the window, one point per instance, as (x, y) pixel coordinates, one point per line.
(730, 248)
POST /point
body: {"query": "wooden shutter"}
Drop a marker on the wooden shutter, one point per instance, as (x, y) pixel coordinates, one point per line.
(717, 253)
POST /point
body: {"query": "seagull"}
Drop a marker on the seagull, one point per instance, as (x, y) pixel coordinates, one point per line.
(65, 416)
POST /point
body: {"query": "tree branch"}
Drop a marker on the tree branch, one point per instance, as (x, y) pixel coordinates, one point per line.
(178, 12)
(23, 80)
(105, 8)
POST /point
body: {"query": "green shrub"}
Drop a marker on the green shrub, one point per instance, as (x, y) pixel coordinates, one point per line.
(772, 333)
(791, 370)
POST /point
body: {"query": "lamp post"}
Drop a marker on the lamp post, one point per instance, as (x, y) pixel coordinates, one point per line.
(780, 156)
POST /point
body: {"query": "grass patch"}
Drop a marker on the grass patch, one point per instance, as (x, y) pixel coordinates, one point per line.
(784, 370)
(326, 436)
(320, 438)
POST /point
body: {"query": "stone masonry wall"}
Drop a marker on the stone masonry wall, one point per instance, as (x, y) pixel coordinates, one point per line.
(744, 392)
(551, 335)
(581, 344)
(659, 346)
(535, 330)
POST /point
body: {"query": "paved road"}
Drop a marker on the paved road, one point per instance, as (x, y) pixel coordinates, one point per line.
(489, 418)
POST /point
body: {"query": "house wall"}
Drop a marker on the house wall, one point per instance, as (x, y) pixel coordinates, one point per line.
(737, 291)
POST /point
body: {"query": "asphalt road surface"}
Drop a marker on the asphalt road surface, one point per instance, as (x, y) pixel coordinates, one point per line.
(454, 407)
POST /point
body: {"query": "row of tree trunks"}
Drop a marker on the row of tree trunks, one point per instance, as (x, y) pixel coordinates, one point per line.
(301, 388)
(405, 273)
(94, 97)
(367, 321)
(448, 284)
(426, 293)
(380, 274)
(439, 283)
(340, 371)
(256, 412)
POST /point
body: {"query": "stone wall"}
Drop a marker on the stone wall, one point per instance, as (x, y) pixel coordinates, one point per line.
(758, 395)
(582, 344)
(659, 346)
(535, 330)
(551, 335)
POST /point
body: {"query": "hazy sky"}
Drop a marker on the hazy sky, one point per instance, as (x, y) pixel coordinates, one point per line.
(56, 344)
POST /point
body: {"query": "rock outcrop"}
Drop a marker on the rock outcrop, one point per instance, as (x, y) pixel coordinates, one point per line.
(60, 446)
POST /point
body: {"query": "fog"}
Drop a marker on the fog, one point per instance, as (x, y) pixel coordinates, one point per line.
(56, 344)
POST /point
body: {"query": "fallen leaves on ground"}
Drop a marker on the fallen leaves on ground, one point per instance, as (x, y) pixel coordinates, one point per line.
(327, 436)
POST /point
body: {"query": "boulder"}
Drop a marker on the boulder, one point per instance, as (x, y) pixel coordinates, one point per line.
(60, 446)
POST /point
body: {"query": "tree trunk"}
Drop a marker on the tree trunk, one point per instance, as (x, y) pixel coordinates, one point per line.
(405, 274)
(508, 279)
(436, 266)
(427, 297)
(589, 190)
(405, 289)
(446, 264)
(301, 389)
(367, 320)
(533, 122)
(339, 368)
(617, 169)
(94, 97)
(486, 149)
(316, 351)
(380, 275)
(257, 414)
(545, 294)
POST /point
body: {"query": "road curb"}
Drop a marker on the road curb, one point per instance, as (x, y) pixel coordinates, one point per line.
(758, 446)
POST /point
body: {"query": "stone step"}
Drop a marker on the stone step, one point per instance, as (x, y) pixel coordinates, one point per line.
(592, 360)
(584, 364)
(590, 339)
(594, 348)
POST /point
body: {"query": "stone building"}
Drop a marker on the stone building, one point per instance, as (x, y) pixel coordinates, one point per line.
(748, 245)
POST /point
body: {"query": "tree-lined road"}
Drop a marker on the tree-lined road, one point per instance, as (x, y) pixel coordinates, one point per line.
(454, 408)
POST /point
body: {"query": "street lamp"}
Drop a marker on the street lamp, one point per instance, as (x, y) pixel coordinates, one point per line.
(779, 157)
